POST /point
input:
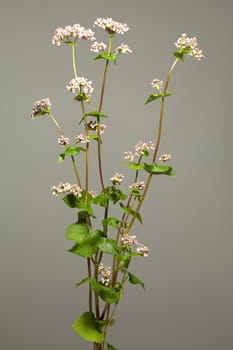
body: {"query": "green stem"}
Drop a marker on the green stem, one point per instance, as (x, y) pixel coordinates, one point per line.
(90, 290)
(76, 171)
(74, 60)
(87, 151)
(56, 124)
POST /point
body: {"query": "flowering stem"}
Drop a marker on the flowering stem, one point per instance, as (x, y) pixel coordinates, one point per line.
(157, 144)
(100, 109)
(72, 158)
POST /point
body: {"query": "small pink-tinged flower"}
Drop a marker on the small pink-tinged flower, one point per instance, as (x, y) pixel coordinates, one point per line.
(190, 45)
(139, 185)
(142, 249)
(97, 47)
(123, 48)
(165, 157)
(93, 125)
(111, 26)
(41, 107)
(82, 138)
(66, 187)
(79, 85)
(157, 84)
(117, 178)
(105, 274)
(142, 147)
(93, 194)
(62, 140)
(129, 156)
(129, 241)
(72, 33)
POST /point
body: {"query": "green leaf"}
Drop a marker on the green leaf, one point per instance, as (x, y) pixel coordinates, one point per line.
(115, 194)
(108, 294)
(108, 246)
(77, 232)
(105, 56)
(111, 221)
(85, 280)
(87, 327)
(101, 200)
(110, 347)
(130, 211)
(96, 114)
(88, 246)
(71, 200)
(73, 150)
(135, 280)
(157, 169)
(135, 166)
(153, 97)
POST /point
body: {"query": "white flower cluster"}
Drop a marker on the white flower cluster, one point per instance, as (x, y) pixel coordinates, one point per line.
(79, 85)
(165, 157)
(66, 188)
(82, 139)
(105, 274)
(141, 147)
(130, 241)
(117, 178)
(123, 48)
(97, 47)
(93, 125)
(41, 107)
(62, 140)
(139, 185)
(72, 33)
(111, 26)
(191, 45)
(157, 84)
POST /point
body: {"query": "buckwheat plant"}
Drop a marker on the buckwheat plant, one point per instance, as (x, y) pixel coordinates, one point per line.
(113, 235)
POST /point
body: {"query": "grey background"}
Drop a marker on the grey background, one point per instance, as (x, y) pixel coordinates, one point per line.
(187, 220)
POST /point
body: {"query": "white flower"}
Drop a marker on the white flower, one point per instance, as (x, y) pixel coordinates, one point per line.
(129, 156)
(66, 187)
(139, 185)
(41, 107)
(142, 249)
(72, 33)
(63, 140)
(105, 274)
(79, 85)
(111, 26)
(117, 178)
(190, 45)
(165, 157)
(157, 84)
(123, 48)
(142, 147)
(97, 47)
(82, 138)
